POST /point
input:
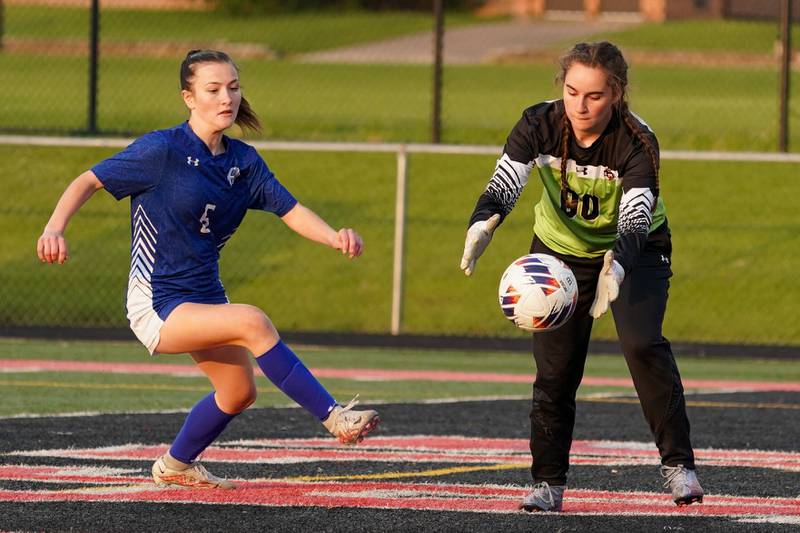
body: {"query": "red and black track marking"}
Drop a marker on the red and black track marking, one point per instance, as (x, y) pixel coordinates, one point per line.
(432, 467)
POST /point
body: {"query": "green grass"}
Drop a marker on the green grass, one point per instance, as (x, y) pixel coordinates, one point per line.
(39, 393)
(284, 34)
(689, 108)
(309, 31)
(718, 107)
(729, 36)
(731, 233)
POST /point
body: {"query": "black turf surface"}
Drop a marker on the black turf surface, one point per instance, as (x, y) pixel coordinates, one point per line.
(741, 427)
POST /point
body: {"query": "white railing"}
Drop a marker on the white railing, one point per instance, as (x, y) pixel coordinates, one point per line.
(402, 150)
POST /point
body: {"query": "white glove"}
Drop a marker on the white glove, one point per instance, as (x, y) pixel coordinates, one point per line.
(478, 237)
(608, 283)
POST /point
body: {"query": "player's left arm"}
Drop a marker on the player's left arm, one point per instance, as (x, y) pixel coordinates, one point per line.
(639, 196)
(635, 216)
(307, 223)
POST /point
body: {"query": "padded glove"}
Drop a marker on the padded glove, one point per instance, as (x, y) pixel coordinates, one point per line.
(608, 283)
(478, 237)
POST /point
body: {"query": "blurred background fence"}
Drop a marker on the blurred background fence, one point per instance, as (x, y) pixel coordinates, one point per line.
(706, 75)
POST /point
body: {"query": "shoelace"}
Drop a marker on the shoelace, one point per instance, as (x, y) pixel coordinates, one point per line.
(352, 403)
(200, 469)
(670, 473)
(544, 486)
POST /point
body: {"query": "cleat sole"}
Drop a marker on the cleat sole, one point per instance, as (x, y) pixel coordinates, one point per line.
(368, 428)
(534, 509)
(365, 430)
(688, 501)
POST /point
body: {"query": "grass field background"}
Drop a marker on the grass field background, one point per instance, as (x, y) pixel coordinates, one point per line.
(721, 104)
(720, 108)
(63, 392)
(733, 223)
(284, 34)
(732, 238)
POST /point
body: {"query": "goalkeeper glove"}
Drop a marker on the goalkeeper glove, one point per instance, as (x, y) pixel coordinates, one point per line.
(608, 283)
(478, 237)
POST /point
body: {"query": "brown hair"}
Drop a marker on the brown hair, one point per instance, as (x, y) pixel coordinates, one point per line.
(246, 118)
(607, 57)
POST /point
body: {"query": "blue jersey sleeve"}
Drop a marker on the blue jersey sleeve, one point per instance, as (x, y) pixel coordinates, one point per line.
(266, 192)
(135, 169)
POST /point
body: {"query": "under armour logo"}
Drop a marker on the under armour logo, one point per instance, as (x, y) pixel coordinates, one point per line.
(194, 162)
(664, 259)
(582, 170)
(233, 173)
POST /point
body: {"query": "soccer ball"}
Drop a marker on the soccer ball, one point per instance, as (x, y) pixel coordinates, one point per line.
(538, 292)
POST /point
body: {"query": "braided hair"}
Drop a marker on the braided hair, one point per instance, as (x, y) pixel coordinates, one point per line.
(246, 118)
(607, 57)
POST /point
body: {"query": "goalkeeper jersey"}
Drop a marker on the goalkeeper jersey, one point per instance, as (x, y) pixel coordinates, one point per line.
(612, 181)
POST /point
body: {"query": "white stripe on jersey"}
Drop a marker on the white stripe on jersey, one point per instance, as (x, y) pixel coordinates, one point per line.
(641, 120)
(636, 211)
(591, 172)
(143, 251)
(144, 321)
(508, 180)
(224, 240)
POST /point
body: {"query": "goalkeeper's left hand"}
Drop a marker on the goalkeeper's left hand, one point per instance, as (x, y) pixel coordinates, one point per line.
(608, 283)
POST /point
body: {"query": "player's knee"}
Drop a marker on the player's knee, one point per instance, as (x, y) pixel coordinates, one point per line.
(257, 328)
(238, 399)
(640, 345)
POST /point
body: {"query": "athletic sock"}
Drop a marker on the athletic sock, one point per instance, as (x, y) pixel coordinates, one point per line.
(203, 424)
(290, 375)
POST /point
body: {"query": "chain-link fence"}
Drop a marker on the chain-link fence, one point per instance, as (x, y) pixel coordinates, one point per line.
(365, 75)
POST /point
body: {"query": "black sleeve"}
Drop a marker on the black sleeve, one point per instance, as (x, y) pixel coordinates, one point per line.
(639, 196)
(510, 174)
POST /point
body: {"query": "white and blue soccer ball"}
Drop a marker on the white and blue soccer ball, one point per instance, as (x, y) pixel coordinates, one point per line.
(538, 292)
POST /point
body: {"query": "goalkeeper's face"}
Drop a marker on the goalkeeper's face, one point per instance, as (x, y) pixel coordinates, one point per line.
(588, 99)
(215, 96)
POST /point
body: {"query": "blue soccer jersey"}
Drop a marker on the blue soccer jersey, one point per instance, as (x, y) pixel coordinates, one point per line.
(185, 205)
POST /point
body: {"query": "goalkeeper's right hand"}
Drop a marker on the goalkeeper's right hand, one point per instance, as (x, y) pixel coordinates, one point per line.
(478, 237)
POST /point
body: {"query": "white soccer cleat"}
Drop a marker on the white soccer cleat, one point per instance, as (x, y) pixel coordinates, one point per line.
(544, 497)
(193, 477)
(683, 484)
(349, 426)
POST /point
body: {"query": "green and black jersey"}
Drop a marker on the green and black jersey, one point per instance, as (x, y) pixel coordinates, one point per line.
(613, 181)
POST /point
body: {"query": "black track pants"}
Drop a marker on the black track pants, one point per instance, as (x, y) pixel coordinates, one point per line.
(561, 354)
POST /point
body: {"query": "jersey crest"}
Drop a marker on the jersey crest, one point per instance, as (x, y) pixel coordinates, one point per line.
(233, 173)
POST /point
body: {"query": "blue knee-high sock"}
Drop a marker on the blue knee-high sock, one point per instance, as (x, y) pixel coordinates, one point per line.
(290, 375)
(203, 424)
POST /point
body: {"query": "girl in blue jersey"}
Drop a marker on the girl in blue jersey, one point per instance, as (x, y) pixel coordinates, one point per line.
(601, 213)
(190, 187)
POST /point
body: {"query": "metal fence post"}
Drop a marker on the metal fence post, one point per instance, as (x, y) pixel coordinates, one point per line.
(786, 72)
(438, 38)
(399, 240)
(94, 52)
(2, 23)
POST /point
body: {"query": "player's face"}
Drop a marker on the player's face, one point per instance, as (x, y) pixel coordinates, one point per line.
(588, 100)
(215, 96)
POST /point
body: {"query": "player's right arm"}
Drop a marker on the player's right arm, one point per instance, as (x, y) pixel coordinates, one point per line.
(52, 247)
(501, 194)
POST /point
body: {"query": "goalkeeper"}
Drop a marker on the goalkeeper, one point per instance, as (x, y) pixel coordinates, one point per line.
(601, 213)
